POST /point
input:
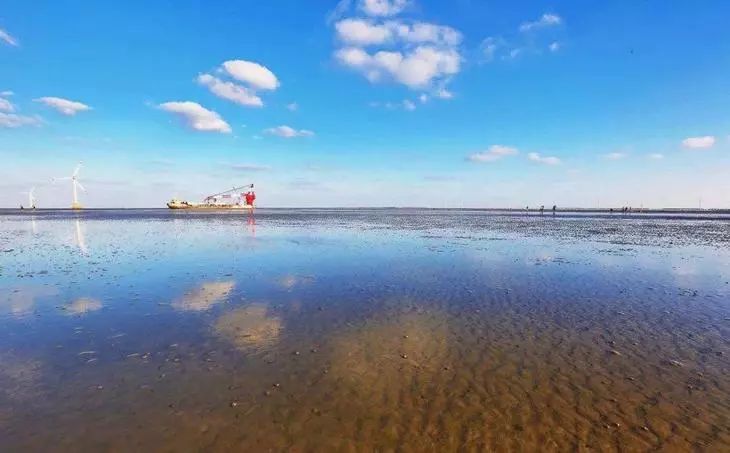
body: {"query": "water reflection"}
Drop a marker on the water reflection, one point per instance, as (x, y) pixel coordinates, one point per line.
(82, 306)
(384, 354)
(79, 237)
(290, 281)
(249, 328)
(205, 296)
(20, 301)
(252, 225)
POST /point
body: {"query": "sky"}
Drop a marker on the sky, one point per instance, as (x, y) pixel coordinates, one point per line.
(464, 103)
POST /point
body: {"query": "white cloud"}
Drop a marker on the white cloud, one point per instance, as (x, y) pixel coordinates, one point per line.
(365, 32)
(6, 106)
(703, 142)
(64, 106)
(546, 20)
(383, 7)
(424, 32)
(8, 39)
(197, 117)
(416, 69)
(413, 53)
(554, 46)
(547, 160)
(494, 153)
(409, 105)
(11, 120)
(615, 156)
(230, 91)
(288, 132)
(656, 156)
(423, 98)
(6, 93)
(362, 32)
(256, 75)
(293, 107)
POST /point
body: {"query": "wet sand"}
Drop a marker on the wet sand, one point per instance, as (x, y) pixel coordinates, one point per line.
(363, 330)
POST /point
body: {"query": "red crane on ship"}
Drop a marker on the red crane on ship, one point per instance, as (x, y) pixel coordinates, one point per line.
(244, 193)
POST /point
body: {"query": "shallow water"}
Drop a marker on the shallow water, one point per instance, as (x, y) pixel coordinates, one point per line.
(363, 330)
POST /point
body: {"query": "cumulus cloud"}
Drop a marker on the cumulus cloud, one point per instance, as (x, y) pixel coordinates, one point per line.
(6, 93)
(8, 39)
(12, 121)
(230, 91)
(494, 153)
(383, 7)
(362, 32)
(546, 20)
(554, 46)
(656, 156)
(254, 74)
(248, 78)
(6, 106)
(615, 156)
(414, 53)
(703, 142)
(197, 117)
(365, 32)
(63, 106)
(293, 107)
(409, 105)
(547, 160)
(424, 32)
(416, 69)
(288, 132)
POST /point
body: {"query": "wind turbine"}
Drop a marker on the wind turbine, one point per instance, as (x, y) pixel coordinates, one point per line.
(76, 185)
(31, 199)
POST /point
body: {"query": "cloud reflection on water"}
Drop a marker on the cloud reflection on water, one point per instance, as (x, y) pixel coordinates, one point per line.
(205, 296)
(250, 327)
(383, 355)
(82, 306)
(21, 301)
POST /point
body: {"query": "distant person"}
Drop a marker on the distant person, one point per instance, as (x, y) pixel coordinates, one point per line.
(555, 207)
(527, 210)
(542, 209)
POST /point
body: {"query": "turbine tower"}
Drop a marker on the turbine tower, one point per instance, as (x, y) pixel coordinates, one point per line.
(31, 198)
(75, 184)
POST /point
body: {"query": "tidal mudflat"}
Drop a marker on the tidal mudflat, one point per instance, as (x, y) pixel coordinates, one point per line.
(363, 330)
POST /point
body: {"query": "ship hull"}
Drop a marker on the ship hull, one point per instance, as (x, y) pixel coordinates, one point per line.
(204, 207)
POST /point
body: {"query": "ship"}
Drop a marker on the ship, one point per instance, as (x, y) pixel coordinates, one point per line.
(238, 198)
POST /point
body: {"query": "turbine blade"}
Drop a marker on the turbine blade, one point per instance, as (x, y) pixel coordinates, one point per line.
(78, 168)
(80, 186)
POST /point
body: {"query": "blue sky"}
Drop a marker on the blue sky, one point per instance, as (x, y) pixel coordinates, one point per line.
(368, 102)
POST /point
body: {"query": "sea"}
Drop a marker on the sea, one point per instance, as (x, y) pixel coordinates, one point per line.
(364, 330)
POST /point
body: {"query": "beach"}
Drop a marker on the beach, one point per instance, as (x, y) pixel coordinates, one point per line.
(364, 330)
